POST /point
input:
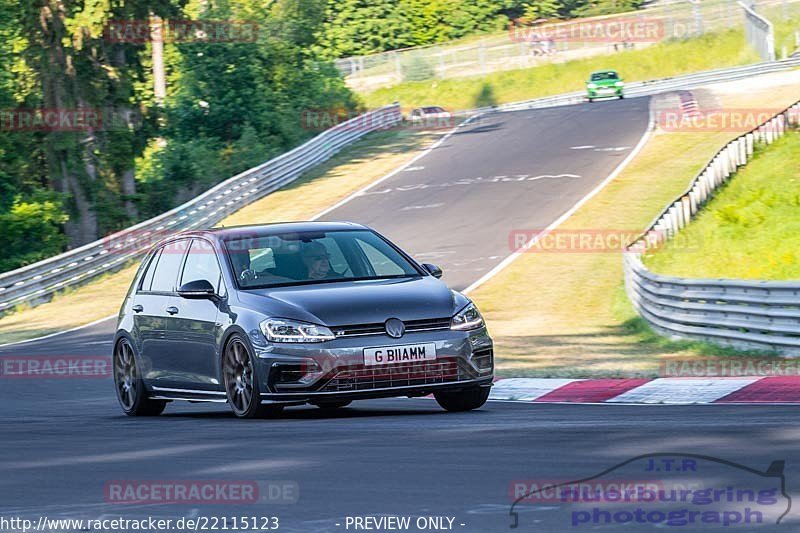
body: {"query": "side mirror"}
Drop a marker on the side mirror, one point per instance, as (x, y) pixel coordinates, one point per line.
(200, 289)
(433, 270)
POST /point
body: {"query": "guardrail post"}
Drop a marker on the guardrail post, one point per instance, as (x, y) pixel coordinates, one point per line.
(669, 229)
(687, 210)
(730, 160)
(661, 232)
(742, 151)
(726, 168)
(677, 213)
(705, 186)
(694, 197)
(750, 138)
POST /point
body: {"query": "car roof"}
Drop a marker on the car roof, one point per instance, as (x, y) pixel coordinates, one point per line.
(274, 228)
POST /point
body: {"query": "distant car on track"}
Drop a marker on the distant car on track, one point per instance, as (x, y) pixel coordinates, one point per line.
(264, 317)
(603, 84)
(432, 116)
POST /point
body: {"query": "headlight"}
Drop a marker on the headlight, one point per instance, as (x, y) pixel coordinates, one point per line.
(467, 318)
(592, 85)
(619, 84)
(284, 330)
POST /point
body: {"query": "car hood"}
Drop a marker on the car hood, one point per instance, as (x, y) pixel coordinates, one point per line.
(358, 302)
(604, 83)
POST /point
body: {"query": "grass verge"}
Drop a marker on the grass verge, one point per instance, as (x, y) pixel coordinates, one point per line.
(751, 228)
(370, 158)
(713, 50)
(566, 314)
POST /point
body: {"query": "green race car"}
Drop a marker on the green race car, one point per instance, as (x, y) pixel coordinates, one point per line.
(603, 84)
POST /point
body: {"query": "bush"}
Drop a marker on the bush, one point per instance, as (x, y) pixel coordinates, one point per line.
(31, 231)
(418, 69)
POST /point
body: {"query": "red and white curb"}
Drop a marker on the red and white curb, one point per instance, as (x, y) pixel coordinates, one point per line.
(672, 391)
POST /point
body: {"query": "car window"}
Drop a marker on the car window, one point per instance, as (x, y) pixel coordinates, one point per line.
(600, 76)
(169, 262)
(381, 264)
(433, 110)
(201, 263)
(314, 257)
(147, 279)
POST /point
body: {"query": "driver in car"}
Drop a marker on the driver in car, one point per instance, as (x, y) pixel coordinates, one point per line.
(317, 261)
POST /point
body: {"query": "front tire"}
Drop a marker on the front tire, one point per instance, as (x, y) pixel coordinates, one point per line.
(242, 386)
(128, 381)
(463, 400)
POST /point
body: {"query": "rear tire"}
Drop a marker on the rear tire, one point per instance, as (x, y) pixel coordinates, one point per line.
(128, 382)
(242, 385)
(462, 401)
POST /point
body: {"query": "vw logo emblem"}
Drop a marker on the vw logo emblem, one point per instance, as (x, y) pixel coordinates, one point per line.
(395, 328)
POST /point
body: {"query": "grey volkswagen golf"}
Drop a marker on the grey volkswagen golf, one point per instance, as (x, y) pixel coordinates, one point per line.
(264, 317)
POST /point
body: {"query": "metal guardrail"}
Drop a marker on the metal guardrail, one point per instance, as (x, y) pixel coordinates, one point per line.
(759, 32)
(650, 87)
(37, 282)
(742, 313)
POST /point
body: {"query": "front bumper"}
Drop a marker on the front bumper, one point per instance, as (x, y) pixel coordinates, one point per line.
(605, 92)
(336, 370)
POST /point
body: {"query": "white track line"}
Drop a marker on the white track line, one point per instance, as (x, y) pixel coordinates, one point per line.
(399, 169)
(90, 324)
(513, 257)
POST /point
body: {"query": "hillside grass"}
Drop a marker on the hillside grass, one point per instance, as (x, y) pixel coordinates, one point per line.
(711, 51)
(751, 228)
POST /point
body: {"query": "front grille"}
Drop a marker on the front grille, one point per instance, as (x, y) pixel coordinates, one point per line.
(360, 377)
(427, 324)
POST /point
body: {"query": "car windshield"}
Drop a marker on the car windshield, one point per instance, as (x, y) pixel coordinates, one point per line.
(433, 110)
(263, 260)
(602, 76)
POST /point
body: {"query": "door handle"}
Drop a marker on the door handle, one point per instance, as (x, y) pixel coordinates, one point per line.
(137, 308)
(172, 310)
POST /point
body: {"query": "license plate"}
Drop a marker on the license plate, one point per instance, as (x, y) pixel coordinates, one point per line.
(408, 353)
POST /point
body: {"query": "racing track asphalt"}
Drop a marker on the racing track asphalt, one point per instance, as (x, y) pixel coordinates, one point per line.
(63, 440)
